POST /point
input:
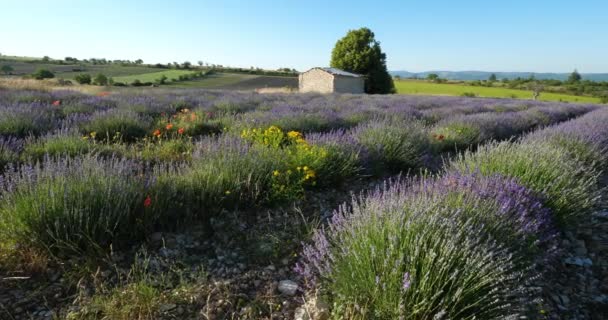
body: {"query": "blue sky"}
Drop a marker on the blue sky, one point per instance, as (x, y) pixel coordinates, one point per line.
(417, 35)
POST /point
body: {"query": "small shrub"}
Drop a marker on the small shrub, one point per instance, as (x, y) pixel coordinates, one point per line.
(117, 125)
(61, 144)
(189, 123)
(469, 94)
(225, 173)
(9, 150)
(25, 121)
(394, 146)
(388, 258)
(569, 185)
(164, 150)
(66, 205)
(454, 136)
(83, 78)
(101, 80)
(43, 74)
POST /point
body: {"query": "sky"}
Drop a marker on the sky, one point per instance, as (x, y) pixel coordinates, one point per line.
(416, 35)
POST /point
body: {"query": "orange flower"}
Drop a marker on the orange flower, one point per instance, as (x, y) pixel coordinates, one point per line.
(156, 133)
(56, 103)
(103, 94)
(180, 130)
(169, 126)
(147, 202)
(193, 116)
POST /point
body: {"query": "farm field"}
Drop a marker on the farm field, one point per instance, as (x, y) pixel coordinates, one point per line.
(66, 71)
(173, 203)
(231, 81)
(427, 88)
(152, 76)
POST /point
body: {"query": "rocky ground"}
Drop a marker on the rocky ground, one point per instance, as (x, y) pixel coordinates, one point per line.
(244, 270)
(577, 283)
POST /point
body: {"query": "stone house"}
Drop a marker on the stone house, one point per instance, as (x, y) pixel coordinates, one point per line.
(331, 80)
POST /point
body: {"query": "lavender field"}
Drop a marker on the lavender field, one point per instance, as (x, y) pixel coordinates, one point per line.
(193, 204)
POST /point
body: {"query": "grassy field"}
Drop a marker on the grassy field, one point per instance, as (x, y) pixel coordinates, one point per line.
(427, 88)
(233, 81)
(151, 76)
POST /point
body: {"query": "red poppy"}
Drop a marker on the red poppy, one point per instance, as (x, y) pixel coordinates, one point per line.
(169, 126)
(56, 103)
(156, 133)
(147, 202)
(180, 130)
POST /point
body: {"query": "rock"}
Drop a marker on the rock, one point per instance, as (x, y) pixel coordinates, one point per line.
(271, 268)
(167, 307)
(156, 237)
(288, 287)
(601, 215)
(581, 262)
(581, 249)
(565, 300)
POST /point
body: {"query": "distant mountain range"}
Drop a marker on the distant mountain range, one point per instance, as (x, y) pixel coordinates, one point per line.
(484, 75)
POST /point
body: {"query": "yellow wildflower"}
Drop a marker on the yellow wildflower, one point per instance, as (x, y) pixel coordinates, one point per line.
(276, 173)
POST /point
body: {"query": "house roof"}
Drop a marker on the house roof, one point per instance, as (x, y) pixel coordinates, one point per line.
(338, 72)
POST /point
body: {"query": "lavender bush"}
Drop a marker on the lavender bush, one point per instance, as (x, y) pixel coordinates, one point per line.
(388, 257)
(569, 185)
(78, 204)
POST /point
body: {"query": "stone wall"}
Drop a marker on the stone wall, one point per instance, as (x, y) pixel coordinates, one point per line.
(348, 84)
(316, 80)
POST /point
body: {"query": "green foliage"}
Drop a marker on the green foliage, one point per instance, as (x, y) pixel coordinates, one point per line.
(574, 77)
(100, 80)
(394, 146)
(492, 78)
(454, 136)
(432, 76)
(7, 69)
(164, 150)
(43, 74)
(570, 186)
(359, 52)
(78, 204)
(83, 78)
(393, 262)
(125, 126)
(56, 145)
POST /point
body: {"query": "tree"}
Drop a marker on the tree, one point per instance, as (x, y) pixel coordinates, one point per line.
(46, 59)
(359, 52)
(163, 79)
(83, 78)
(100, 79)
(139, 61)
(43, 74)
(432, 76)
(7, 69)
(492, 78)
(575, 77)
(200, 63)
(186, 64)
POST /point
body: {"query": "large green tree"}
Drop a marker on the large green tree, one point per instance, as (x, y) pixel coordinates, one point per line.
(359, 52)
(575, 77)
